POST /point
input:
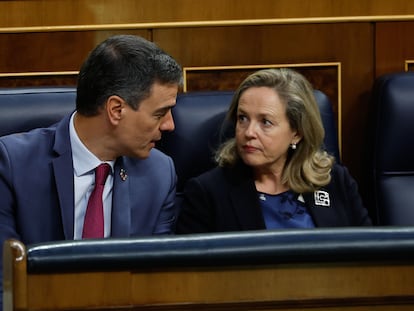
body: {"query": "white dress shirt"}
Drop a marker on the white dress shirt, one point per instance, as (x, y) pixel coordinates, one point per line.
(84, 163)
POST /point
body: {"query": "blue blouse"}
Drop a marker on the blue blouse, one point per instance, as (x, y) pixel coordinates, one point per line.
(284, 210)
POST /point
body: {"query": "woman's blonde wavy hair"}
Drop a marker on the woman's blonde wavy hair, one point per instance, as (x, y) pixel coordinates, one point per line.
(308, 167)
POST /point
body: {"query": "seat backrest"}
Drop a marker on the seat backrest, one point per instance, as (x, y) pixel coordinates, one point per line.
(393, 156)
(199, 130)
(331, 144)
(26, 108)
(198, 118)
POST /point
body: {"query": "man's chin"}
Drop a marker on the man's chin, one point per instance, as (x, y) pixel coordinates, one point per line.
(144, 152)
(140, 154)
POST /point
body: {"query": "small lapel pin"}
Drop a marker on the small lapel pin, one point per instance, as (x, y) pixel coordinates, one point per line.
(262, 197)
(123, 174)
(322, 198)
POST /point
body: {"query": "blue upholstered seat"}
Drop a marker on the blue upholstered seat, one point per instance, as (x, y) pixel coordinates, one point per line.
(26, 108)
(393, 157)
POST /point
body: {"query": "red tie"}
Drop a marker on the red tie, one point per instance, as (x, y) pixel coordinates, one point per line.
(93, 225)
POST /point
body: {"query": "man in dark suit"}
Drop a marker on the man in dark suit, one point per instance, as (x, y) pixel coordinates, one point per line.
(126, 89)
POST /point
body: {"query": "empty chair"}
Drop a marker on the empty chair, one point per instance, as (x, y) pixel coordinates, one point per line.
(393, 156)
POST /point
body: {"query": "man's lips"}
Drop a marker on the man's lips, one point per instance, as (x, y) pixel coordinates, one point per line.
(155, 140)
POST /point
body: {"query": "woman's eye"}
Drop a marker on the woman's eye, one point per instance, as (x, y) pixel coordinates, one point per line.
(267, 122)
(241, 118)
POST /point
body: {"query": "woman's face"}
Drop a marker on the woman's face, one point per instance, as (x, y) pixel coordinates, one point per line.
(263, 132)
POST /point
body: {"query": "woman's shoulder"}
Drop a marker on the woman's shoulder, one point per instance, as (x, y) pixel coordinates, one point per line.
(339, 170)
(225, 174)
(212, 174)
(211, 181)
(340, 175)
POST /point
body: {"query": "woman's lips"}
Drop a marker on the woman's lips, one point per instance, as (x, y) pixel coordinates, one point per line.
(248, 148)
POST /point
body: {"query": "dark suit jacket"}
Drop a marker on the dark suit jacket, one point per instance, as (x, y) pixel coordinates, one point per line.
(37, 191)
(226, 199)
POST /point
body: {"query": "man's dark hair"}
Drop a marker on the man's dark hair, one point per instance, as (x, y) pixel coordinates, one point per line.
(123, 65)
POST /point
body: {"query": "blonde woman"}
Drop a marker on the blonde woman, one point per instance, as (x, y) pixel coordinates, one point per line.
(274, 173)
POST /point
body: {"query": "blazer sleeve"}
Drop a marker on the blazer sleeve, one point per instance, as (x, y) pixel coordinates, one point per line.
(196, 213)
(355, 208)
(169, 211)
(7, 222)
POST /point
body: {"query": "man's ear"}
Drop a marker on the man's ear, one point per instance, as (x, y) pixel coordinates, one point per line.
(114, 108)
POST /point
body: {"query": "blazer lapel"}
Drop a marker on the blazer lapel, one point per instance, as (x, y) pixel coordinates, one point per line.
(320, 206)
(63, 172)
(245, 202)
(121, 210)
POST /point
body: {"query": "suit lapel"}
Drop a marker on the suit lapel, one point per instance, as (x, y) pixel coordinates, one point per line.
(63, 173)
(62, 167)
(121, 210)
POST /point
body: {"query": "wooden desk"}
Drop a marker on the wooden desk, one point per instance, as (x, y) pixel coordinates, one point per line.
(212, 282)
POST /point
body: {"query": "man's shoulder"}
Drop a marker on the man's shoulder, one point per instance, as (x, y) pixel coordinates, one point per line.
(31, 139)
(158, 157)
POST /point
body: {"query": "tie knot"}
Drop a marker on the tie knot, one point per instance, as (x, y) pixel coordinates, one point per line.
(101, 173)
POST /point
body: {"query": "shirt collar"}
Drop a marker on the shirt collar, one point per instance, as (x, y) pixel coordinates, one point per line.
(84, 161)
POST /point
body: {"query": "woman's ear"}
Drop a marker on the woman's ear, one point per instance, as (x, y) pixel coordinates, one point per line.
(114, 108)
(297, 138)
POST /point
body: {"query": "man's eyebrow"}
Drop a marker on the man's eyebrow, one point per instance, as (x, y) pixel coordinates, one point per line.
(164, 109)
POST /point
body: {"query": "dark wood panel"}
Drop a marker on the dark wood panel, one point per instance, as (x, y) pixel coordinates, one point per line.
(394, 45)
(38, 80)
(96, 12)
(323, 286)
(55, 51)
(227, 78)
(40, 52)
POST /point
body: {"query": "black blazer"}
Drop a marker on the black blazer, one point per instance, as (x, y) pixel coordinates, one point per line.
(225, 199)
